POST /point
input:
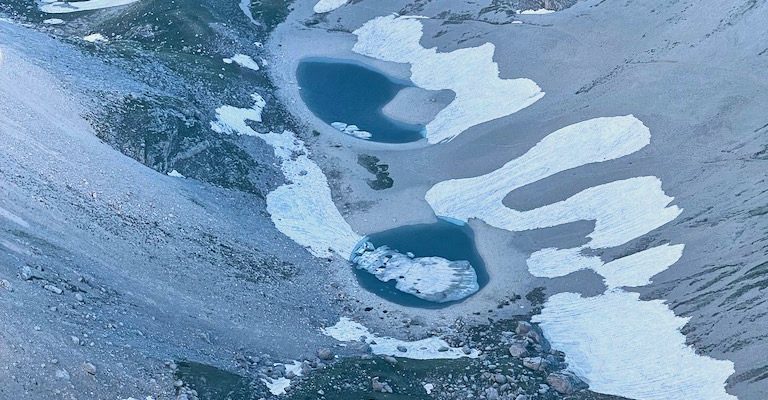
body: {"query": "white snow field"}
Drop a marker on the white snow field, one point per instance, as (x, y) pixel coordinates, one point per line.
(654, 362)
(467, 72)
(302, 209)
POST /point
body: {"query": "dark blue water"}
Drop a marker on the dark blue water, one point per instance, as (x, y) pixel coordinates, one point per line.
(341, 91)
(443, 239)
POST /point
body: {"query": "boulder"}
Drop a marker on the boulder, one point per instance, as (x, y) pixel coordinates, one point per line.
(565, 382)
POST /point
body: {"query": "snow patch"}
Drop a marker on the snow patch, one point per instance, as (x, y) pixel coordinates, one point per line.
(176, 174)
(591, 141)
(623, 346)
(471, 73)
(617, 343)
(9, 215)
(540, 11)
(243, 61)
(630, 271)
(53, 21)
(232, 120)
(64, 7)
(277, 386)
(347, 330)
(95, 38)
(302, 209)
(324, 6)
(245, 7)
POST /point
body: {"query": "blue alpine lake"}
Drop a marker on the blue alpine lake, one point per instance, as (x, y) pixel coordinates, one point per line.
(442, 238)
(353, 94)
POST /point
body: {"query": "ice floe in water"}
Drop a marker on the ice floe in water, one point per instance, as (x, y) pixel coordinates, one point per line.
(431, 348)
(471, 73)
(351, 130)
(430, 278)
(324, 6)
(63, 7)
(303, 208)
(617, 343)
(243, 61)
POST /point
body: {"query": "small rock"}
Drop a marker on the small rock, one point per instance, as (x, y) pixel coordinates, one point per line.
(521, 397)
(402, 349)
(4, 284)
(53, 289)
(79, 297)
(443, 349)
(500, 378)
(523, 328)
(62, 374)
(491, 394)
(518, 350)
(381, 387)
(535, 363)
(28, 274)
(466, 350)
(390, 359)
(89, 368)
(325, 354)
(75, 340)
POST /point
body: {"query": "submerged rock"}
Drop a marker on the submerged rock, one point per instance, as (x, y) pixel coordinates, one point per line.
(430, 278)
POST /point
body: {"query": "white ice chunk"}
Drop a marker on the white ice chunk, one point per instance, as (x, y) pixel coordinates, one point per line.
(243, 61)
(539, 11)
(175, 174)
(53, 21)
(63, 7)
(324, 6)
(95, 38)
(351, 130)
(430, 278)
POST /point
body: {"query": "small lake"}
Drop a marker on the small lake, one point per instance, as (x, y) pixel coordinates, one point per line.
(442, 238)
(350, 93)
